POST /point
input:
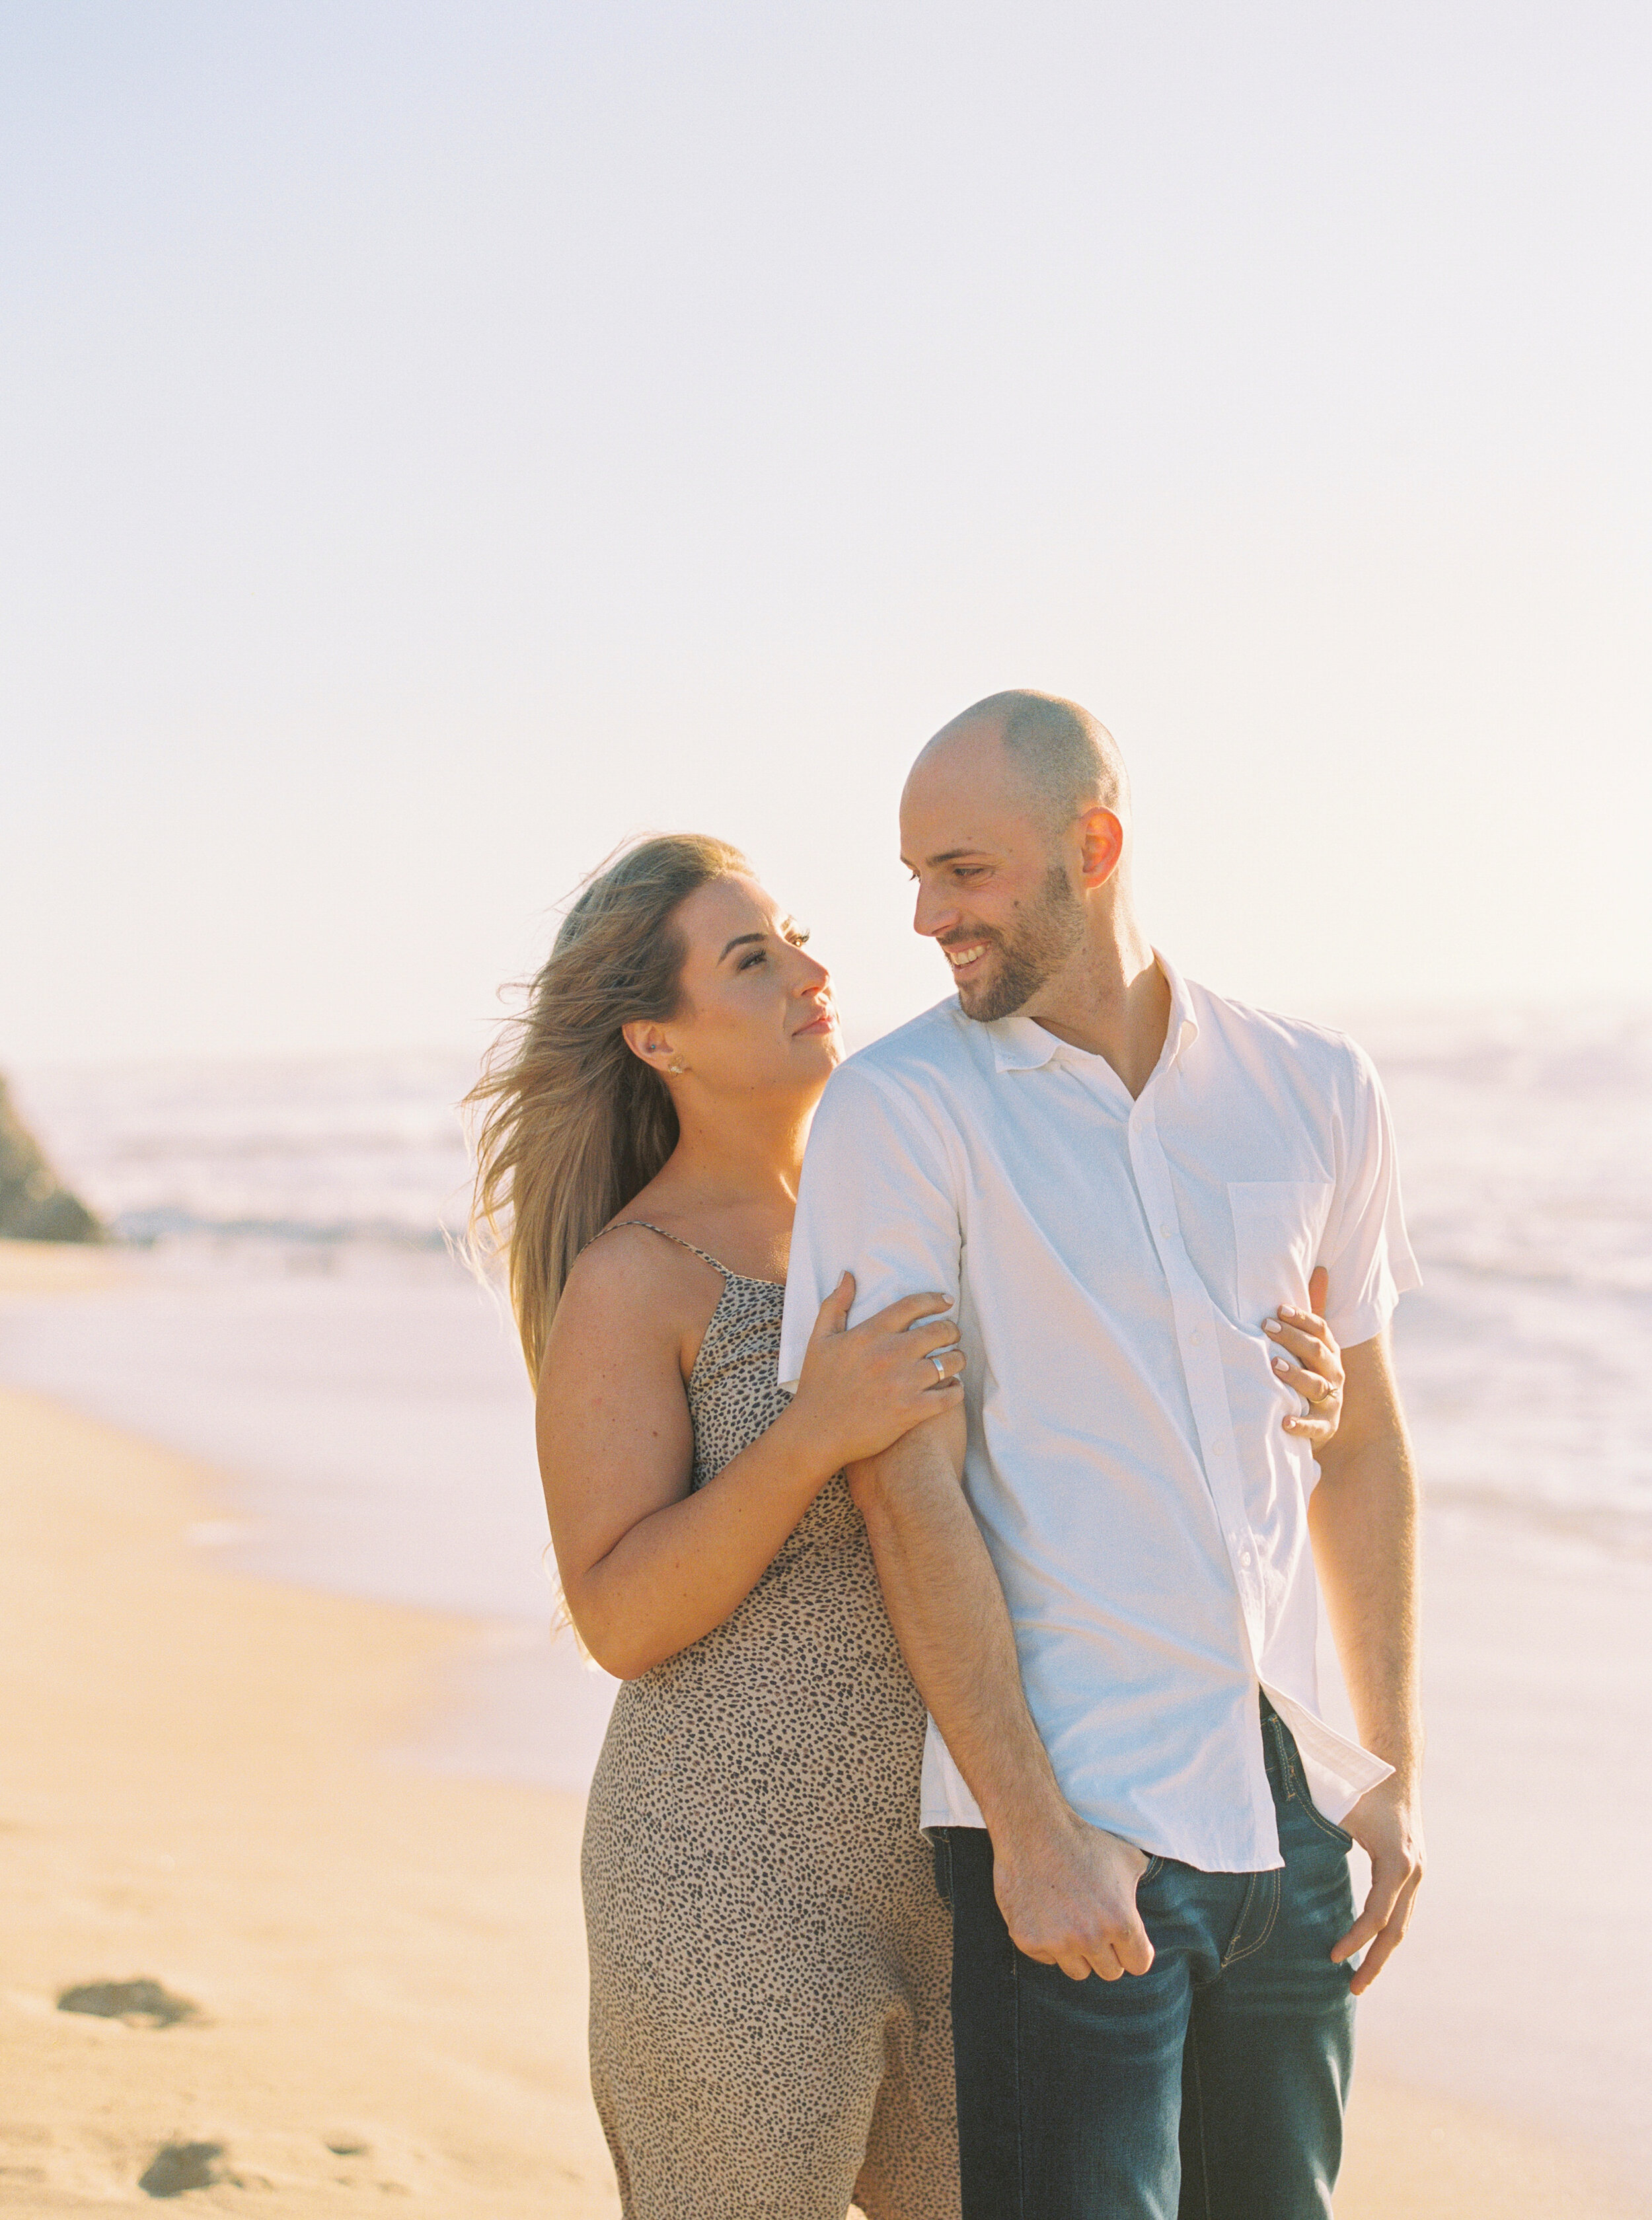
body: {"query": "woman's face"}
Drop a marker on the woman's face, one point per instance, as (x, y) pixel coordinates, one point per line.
(757, 1014)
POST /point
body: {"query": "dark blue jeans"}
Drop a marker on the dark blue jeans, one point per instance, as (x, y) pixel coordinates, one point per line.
(1211, 2087)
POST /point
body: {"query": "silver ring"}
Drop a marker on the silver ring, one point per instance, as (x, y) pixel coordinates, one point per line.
(939, 1364)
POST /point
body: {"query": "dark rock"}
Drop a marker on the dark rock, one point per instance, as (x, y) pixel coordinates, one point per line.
(177, 2166)
(140, 2003)
(34, 1205)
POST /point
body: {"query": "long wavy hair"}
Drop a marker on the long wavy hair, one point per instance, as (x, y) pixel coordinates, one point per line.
(566, 1124)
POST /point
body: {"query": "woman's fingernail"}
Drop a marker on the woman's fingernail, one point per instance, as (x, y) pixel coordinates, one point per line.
(1270, 1326)
(1280, 1365)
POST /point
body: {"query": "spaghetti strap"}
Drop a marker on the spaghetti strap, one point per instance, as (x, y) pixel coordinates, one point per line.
(703, 1255)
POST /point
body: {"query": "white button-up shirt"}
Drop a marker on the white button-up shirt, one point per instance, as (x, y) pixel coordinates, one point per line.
(1111, 1262)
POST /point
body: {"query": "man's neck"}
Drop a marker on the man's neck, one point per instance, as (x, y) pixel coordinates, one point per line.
(1112, 1000)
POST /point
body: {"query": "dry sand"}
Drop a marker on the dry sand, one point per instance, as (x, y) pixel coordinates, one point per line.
(387, 1969)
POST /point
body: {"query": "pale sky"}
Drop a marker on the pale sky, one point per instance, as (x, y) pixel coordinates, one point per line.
(442, 440)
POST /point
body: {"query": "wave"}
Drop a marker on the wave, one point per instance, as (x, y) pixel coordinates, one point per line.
(146, 1228)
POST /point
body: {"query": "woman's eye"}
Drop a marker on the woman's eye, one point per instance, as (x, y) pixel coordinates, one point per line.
(755, 956)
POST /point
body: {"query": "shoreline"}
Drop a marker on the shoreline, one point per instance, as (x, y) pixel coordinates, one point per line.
(206, 1785)
(387, 1969)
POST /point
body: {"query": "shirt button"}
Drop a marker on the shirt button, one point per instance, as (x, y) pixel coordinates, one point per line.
(1244, 1556)
(1166, 1230)
(1195, 1337)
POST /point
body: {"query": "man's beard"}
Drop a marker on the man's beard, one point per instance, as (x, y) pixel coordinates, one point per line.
(1045, 939)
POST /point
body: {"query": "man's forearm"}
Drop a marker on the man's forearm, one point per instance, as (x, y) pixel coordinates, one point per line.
(949, 1617)
(1363, 1517)
(1067, 1890)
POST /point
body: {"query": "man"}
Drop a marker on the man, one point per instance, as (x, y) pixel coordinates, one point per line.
(1118, 1176)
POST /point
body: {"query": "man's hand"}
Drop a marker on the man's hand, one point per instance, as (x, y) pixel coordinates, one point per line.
(1388, 1826)
(1068, 1895)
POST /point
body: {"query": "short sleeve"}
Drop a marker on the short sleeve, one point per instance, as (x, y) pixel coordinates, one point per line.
(877, 1198)
(1366, 1250)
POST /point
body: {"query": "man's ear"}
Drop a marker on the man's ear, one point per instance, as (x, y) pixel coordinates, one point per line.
(645, 1039)
(1101, 841)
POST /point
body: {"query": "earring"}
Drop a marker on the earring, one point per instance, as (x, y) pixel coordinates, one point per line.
(676, 1069)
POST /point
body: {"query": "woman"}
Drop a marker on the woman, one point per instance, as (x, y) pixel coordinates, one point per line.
(770, 1956)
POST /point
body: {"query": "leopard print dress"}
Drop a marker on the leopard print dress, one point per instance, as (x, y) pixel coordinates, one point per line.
(770, 1959)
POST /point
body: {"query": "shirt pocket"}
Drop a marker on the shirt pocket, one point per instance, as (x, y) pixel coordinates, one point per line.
(1277, 1225)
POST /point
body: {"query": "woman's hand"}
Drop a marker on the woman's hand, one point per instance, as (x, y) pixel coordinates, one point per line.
(862, 1388)
(1308, 1356)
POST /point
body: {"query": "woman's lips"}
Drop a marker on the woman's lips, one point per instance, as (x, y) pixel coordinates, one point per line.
(824, 1023)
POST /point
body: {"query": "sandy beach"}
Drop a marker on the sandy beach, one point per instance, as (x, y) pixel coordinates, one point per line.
(386, 1969)
(378, 1973)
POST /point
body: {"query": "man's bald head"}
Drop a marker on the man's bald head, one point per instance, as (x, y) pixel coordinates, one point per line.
(1068, 759)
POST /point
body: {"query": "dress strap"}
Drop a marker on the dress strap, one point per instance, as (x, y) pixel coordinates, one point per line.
(704, 1256)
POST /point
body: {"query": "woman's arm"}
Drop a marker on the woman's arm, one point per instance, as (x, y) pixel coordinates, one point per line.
(648, 1567)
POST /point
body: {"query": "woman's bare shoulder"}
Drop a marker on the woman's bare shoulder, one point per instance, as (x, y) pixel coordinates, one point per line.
(635, 1283)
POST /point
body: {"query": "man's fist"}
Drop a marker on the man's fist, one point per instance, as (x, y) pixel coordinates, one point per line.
(1068, 1894)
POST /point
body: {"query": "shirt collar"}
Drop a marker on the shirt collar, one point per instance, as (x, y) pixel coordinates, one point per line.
(1183, 1025)
(1023, 1044)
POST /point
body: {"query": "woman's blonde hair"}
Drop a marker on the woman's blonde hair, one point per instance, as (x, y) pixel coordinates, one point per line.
(567, 1124)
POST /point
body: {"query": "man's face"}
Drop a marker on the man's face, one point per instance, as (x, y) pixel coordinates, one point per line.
(994, 889)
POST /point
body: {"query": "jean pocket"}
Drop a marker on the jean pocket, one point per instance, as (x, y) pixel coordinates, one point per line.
(1340, 1836)
(1151, 1871)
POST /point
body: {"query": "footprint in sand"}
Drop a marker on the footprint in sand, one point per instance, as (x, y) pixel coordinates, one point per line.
(140, 2003)
(177, 2166)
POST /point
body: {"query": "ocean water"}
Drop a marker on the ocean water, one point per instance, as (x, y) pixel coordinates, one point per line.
(1526, 1358)
(315, 1152)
